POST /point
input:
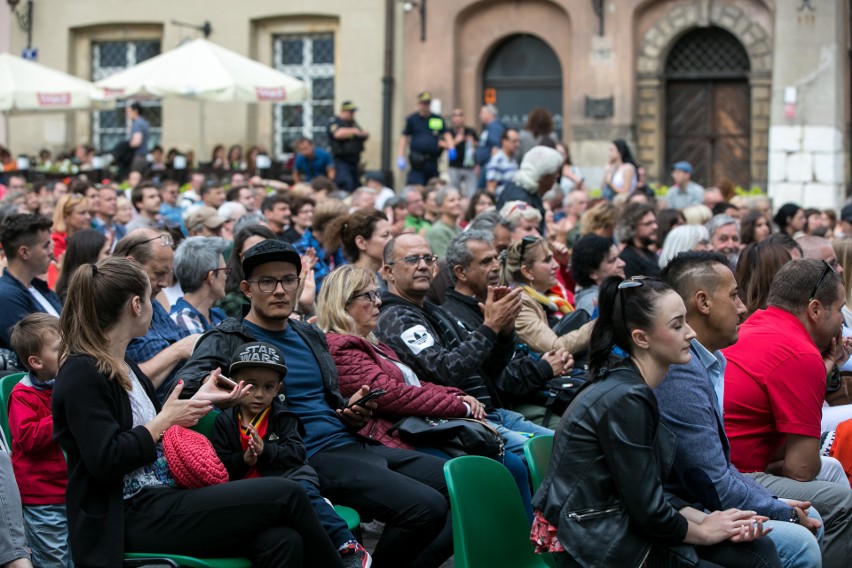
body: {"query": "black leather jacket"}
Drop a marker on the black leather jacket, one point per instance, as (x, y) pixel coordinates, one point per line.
(603, 490)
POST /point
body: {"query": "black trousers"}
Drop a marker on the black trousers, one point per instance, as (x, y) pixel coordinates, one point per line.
(404, 489)
(270, 520)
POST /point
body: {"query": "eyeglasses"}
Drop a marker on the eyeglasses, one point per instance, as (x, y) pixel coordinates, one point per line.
(225, 269)
(268, 285)
(166, 240)
(371, 295)
(414, 260)
(819, 282)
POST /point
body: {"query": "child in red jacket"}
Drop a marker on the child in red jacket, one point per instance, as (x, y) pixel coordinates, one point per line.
(37, 460)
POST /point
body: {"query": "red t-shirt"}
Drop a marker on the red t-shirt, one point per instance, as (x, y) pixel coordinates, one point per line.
(774, 385)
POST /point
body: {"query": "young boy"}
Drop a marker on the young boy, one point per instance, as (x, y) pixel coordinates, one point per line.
(261, 438)
(36, 459)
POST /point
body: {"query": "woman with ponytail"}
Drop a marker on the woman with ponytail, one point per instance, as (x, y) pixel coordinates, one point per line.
(602, 501)
(362, 235)
(121, 496)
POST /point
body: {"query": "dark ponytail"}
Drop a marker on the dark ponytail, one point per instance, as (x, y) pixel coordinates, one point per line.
(619, 312)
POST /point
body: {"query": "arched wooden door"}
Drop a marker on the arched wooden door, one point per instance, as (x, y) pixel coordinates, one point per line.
(521, 73)
(708, 108)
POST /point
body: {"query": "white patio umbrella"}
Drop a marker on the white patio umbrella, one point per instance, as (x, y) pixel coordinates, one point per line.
(204, 71)
(29, 86)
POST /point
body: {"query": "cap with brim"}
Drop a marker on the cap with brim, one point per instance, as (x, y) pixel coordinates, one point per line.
(425, 97)
(683, 166)
(846, 213)
(270, 250)
(206, 216)
(258, 354)
(348, 105)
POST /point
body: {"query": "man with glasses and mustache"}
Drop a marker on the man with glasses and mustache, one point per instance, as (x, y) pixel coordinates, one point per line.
(404, 489)
(775, 383)
(161, 351)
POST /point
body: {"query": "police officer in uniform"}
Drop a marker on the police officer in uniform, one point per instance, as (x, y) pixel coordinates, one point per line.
(426, 134)
(347, 138)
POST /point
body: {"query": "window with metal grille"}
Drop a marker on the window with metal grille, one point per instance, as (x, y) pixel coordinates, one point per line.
(707, 52)
(309, 57)
(109, 127)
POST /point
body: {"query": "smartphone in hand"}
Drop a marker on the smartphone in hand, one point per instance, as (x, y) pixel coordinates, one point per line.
(225, 383)
(372, 395)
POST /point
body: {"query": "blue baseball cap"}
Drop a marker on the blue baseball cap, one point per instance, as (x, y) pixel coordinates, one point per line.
(683, 166)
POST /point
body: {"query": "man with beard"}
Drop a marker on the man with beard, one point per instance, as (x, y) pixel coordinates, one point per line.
(638, 230)
(725, 237)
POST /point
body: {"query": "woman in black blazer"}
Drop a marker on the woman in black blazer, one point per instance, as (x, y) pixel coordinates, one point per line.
(121, 496)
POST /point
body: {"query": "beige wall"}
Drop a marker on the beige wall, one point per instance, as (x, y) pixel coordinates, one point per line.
(64, 39)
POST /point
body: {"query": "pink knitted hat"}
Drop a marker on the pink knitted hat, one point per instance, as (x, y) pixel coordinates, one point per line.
(192, 459)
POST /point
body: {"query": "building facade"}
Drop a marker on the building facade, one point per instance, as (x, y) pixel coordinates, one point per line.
(755, 92)
(334, 45)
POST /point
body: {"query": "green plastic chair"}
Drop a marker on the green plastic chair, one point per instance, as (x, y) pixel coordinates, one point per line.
(537, 451)
(7, 383)
(490, 527)
(140, 559)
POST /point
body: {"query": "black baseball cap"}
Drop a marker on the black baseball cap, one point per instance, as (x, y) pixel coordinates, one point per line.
(270, 250)
(846, 213)
(258, 354)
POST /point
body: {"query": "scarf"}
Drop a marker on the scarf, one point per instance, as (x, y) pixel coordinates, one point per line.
(553, 302)
(261, 424)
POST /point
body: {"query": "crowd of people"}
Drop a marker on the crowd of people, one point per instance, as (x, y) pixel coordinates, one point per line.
(709, 333)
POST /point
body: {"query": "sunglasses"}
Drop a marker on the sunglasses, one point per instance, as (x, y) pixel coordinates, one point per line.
(525, 242)
(820, 281)
(633, 282)
(165, 239)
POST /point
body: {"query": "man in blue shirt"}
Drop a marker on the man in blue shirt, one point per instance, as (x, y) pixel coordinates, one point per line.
(311, 161)
(161, 351)
(690, 402)
(404, 489)
(29, 251)
(426, 135)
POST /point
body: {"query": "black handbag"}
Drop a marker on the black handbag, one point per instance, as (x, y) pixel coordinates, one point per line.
(454, 436)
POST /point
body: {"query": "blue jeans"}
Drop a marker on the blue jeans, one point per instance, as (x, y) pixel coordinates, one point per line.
(515, 429)
(336, 527)
(47, 534)
(796, 546)
(13, 543)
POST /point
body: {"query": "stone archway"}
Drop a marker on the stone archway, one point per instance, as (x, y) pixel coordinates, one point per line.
(650, 66)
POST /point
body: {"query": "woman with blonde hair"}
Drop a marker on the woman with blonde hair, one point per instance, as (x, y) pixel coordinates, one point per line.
(348, 312)
(697, 214)
(121, 493)
(529, 263)
(72, 214)
(599, 219)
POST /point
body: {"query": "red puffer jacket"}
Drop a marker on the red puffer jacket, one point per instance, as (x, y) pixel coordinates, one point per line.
(359, 362)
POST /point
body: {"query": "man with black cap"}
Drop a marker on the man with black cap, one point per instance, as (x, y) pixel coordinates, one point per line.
(426, 135)
(404, 489)
(346, 138)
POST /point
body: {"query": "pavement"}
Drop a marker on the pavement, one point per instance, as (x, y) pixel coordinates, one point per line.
(371, 538)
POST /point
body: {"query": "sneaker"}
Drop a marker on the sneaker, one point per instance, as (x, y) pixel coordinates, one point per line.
(355, 556)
